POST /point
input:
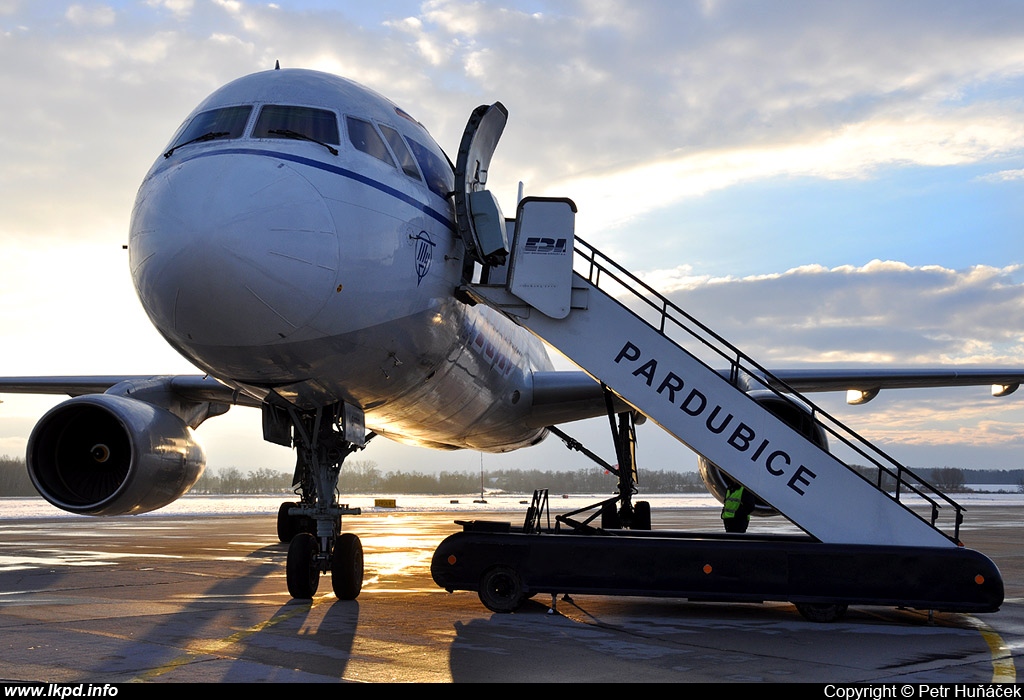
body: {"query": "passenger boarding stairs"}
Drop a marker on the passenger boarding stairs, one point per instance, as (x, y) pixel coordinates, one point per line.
(659, 359)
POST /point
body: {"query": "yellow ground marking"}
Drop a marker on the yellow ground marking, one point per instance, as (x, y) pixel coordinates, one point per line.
(1003, 669)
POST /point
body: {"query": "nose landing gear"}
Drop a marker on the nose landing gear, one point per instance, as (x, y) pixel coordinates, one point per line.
(323, 438)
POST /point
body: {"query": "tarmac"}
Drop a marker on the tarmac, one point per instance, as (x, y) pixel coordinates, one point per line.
(203, 599)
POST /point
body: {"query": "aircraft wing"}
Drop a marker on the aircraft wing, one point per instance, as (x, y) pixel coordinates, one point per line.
(189, 387)
(565, 396)
(862, 385)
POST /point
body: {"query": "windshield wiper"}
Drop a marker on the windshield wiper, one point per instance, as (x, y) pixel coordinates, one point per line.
(208, 136)
(296, 135)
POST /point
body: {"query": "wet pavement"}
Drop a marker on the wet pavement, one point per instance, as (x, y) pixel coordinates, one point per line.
(204, 599)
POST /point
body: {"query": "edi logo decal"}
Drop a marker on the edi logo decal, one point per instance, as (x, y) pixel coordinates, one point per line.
(545, 246)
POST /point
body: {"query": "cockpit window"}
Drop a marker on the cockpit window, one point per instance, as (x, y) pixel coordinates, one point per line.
(283, 122)
(439, 175)
(401, 151)
(223, 123)
(365, 138)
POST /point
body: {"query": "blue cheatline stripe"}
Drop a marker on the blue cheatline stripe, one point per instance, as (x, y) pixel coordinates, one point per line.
(344, 172)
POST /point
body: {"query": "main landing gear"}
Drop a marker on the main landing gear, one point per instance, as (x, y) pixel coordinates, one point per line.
(323, 439)
(619, 512)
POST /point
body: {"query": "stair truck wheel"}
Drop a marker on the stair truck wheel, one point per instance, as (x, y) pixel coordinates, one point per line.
(501, 589)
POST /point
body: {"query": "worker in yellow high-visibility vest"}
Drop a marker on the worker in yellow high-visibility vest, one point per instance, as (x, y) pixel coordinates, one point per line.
(738, 505)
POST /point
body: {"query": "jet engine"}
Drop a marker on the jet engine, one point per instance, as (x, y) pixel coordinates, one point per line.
(102, 454)
(789, 413)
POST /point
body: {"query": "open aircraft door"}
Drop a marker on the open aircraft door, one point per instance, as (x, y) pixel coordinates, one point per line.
(478, 216)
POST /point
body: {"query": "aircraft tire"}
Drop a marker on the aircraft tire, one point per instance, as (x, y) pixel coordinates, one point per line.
(642, 515)
(501, 589)
(821, 612)
(302, 571)
(347, 567)
(287, 525)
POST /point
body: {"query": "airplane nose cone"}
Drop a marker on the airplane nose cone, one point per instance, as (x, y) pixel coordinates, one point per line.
(232, 250)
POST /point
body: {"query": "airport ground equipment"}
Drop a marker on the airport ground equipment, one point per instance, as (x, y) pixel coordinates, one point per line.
(865, 541)
(507, 565)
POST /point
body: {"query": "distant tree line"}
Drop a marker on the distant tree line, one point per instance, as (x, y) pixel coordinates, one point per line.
(365, 476)
(1009, 477)
(14, 479)
(233, 481)
(952, 479)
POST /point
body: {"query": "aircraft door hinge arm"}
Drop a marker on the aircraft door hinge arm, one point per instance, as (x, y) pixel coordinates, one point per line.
(577, 446)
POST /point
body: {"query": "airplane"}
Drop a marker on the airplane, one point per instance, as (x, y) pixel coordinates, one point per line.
(300, 241)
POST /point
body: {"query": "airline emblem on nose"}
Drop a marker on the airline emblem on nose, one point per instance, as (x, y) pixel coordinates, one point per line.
(424, 254)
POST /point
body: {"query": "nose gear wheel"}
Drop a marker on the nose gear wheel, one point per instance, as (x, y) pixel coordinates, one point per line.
(312, 526)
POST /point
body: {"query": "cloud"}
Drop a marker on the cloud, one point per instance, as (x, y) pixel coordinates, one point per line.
(668, 77)
(179, 8)
(882, 312)
(626, 109)
(610, 198)
(94, 15)
(925, 422)
(1004, 176)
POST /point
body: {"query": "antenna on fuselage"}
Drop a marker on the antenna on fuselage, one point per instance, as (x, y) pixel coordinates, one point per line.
(277, 65)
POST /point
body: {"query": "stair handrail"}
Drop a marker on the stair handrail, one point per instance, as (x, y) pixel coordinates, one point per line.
(743, 368)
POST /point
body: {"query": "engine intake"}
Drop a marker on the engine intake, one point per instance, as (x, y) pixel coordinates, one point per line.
(789, 413)
(102, 454)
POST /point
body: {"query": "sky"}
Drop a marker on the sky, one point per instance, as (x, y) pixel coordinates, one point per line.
(826, 184)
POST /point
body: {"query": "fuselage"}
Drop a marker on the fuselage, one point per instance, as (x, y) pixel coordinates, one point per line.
(297, 242)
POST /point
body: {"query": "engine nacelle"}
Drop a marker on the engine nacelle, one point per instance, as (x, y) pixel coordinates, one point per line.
(789, 413)
(102, 454)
